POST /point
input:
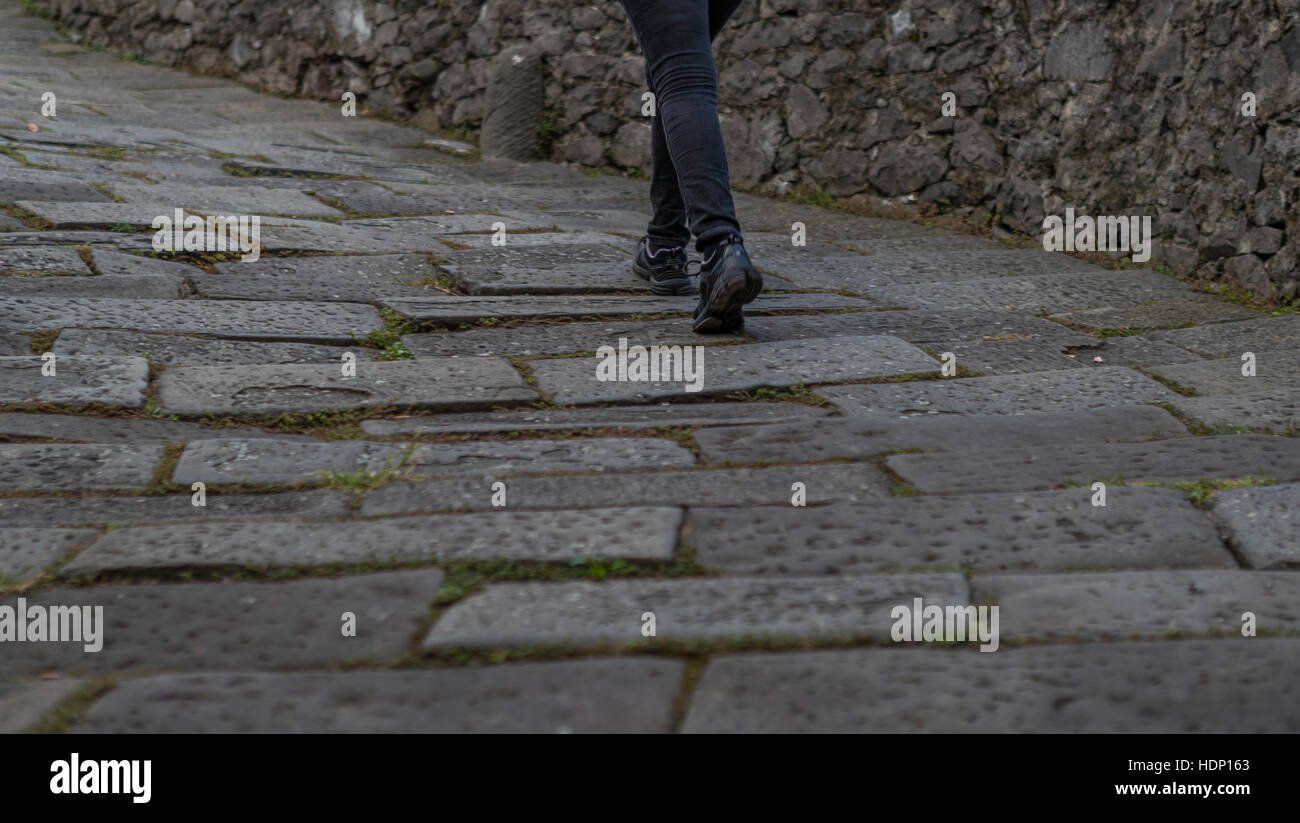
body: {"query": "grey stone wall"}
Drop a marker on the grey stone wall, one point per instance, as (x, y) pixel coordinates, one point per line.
(1109, 107)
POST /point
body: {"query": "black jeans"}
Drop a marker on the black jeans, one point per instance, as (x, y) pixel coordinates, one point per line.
(690, 187)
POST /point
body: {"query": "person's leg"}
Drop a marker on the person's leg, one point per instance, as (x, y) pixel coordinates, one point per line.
(675, 36)
(661, 257)
(720, 12)
(668, 227)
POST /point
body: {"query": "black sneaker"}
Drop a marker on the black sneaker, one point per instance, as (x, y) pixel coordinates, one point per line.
(727, 282)
(665, 269)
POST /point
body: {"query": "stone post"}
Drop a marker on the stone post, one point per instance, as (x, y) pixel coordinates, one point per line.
(514, 105)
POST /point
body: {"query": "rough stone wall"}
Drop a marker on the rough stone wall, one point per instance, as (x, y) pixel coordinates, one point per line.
(1109, 106)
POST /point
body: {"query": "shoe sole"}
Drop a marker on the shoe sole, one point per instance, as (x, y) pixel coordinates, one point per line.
(725, 311)
(678, 285)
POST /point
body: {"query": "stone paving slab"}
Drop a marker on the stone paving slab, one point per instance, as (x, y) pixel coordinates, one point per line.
(864, 436)
(147, 287)
(116, 429)
(112, 263)
(583, 613)
(444, 383)
(578, 278)
(453, 310)
(1187, 459)
(23, 705)
(1263, 524)
(919, 326)
(490, 457)
(326, 504)
(1135, 352)
(45, 185)
(38, 260)
(868, 274)
(1009, 356)
(116, 240)
(176, 350)
(115, 381)
(252, 320)
(270, 220)
(1224, 339)
(225, 199)
(740, 368)
(295, 165)
(13, 344)
(622, 417)
(625, 533)
(764, 217)
(1156, 315)
(713, 487)
(1276, 411)
(215, 626)
(1188, 686)
(382, 235)
(546, 258)
(1274, 371)
(371, 198)
(526, 341)
(216, 462)
(533, 238)
(1040, 531)
(357, 278)
(32, 466)
(25, 552)
(94, 169)
(1038, 293)
(1070, 390)
(623, 696)
(279, 461)
(1123, 605)
(630, 219)
(938, 244)
(65, 215)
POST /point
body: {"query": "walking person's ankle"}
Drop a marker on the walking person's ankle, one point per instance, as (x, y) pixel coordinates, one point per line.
(654, 245)
(710, 246)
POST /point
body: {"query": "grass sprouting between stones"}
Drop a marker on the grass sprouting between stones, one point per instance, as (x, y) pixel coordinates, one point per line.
(389, 339)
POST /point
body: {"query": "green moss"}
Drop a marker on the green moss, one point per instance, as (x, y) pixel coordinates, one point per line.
(225, 155)
(389, 339)
(548, 126)
(793, 394)
(70, 711)
(1172, 385)
(43, 341)
(30, 219)
(1202, 492)
(361, 479)
(810, 193)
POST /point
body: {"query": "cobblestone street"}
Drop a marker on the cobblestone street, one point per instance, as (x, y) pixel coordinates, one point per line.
(470, 532)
